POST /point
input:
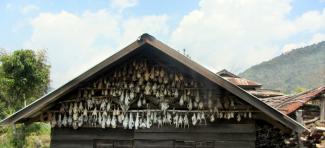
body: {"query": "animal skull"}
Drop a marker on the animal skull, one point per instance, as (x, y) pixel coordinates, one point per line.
(53, 122)
(212, 119)
(108, 121)
(125, 122)
(65, 120)
(113, 122)
(201, 105)
(59, 123)
(186, 122)
(131, 122)
(137, 121)
(194, 119)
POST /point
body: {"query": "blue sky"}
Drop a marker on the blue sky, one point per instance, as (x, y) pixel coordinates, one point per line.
(231, 34)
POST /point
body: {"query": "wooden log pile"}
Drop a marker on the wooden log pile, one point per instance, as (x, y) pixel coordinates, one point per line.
(316, 135)
(267, 136)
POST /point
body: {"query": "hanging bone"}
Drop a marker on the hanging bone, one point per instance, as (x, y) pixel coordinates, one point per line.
(108, 121)
(186, 121)
(147, 89)
(85, 115)
(53, 122)
(80, 108)
(59, 123)
(137, 122)
(69, 120)
(159, 121)
(139, 103)
(65, 120)
(131, 122)
(80, 120)
(197, 97)
(70, 108)
(212, 119)
(190, 105)
(175, 120)
(201, 105)
(108, 106)
(113, 122)
(181, 100)
(94, 117)
(194, 119)
(104, 119)
(210, 104)
(102, 105)
(125, 122)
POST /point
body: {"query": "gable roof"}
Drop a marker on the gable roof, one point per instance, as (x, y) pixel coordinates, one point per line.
(146, 39)
(239, 81)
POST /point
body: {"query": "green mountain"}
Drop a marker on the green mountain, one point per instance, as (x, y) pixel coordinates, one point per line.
(299, 68)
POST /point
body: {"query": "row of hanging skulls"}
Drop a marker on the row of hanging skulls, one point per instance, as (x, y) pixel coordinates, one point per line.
(107, 101)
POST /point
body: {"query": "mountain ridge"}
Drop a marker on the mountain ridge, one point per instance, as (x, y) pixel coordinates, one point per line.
(299, 68)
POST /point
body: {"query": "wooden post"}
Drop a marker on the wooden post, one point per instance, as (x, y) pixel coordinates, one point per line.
(322, 108)
(300, 120)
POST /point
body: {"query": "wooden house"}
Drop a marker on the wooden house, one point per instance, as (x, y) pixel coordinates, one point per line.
(250, 86)
(150, 95)
(307, 108)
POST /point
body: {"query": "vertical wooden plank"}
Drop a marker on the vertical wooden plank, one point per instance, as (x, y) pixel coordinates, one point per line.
(322, 108)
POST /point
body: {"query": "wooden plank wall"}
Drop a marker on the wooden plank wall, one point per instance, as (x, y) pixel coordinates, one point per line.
(218, 135)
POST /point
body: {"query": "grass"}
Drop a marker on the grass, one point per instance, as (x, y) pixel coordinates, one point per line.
(37, 135)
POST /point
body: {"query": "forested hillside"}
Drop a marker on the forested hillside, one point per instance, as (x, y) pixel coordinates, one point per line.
(299, 68)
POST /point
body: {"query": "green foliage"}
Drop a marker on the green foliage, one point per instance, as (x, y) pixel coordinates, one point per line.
(24, 77)
(300, 90)
(303, 67)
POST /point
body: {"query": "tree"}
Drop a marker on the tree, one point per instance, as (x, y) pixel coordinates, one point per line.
(24, 77)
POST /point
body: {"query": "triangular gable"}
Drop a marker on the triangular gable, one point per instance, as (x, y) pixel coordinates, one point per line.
(146, 39)
(226, 73)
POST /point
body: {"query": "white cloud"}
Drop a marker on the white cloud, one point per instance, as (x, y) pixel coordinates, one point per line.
(77, 42)
(29, 8)
(236, 34)
(120, 5)
(232, 34)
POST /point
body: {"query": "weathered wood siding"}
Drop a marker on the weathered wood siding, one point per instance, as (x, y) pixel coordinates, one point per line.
(217, 135)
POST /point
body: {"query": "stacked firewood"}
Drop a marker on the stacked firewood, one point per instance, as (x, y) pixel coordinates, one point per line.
(311, 120)
(267, 136)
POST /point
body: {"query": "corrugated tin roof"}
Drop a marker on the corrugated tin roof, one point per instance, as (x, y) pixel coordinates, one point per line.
(242, 82)
(289, 104)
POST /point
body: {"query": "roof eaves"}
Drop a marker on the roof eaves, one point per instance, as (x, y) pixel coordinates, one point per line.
(52, 96)
(241, 93)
